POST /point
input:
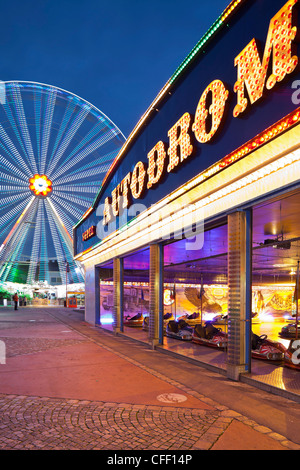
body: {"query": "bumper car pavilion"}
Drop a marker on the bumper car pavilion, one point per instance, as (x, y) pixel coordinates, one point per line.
(192, 244)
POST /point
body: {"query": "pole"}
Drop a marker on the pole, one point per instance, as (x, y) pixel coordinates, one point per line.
(175, 300)
(201, 294)
(67, 270)
(297, 295)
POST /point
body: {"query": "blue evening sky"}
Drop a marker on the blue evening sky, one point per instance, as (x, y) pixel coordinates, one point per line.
(116, 54)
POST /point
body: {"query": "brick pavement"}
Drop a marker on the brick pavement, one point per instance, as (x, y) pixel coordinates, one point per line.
(47, 423)
(71, 418)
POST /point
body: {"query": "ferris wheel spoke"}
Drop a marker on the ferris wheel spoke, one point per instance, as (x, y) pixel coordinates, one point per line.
(8, 188)
(106, 156)
(18, 103)
(66, 218)
(8, 146)
(63, 245)
(11, 215)
(67, 207)
(12, 200)
(79, 188)
(48, 117)
(61, 131)
(89, 150)
(35, 251)
(79, 118)
(14, 254)
(91, 135)
(6, 139)
(57, 244)
(8, 178)
(12, 248)
(14, 169)
(37, 105)
(44, 265)
(85, 175)
(8, 229)
(82, 201)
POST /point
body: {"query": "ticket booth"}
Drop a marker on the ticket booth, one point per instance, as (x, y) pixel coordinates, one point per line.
(72, 301)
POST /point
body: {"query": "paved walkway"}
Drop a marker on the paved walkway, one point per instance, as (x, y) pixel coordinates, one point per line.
(68, 385)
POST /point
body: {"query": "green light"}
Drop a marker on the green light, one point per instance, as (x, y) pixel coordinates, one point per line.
(212, 30)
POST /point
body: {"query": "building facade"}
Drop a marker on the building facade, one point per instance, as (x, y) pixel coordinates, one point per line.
(198, 217)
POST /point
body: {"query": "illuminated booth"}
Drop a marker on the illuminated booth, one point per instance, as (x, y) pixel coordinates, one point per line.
(196, 226)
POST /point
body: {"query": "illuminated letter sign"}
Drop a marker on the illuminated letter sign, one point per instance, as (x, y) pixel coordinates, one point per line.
(219, 96)
(125, 191)
(138, 180)
(252, 73)
(115, 196)
(157, 164)
(89, 233)
(180, 147)
(251, 78)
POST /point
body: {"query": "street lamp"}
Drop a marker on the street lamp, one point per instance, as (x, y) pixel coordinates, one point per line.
(67, 271)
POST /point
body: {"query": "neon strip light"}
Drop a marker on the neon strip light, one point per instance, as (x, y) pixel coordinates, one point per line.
(262, 138)
(208, 35)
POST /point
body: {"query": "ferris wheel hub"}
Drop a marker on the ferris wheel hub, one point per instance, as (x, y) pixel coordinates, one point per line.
(40, 185)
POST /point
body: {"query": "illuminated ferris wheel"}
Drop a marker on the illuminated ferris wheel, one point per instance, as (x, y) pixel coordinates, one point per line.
(55, 149)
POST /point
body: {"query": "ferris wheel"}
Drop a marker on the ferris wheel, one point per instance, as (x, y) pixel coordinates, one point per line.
(55, 149)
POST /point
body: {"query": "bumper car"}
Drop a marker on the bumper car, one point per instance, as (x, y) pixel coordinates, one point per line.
(289, 331)
(220, 319)
(167, 317)
(192, 319)
(263, 348)
(134, 320)
(223, 318)
(179, 330)
(208, 335)
(292, 355)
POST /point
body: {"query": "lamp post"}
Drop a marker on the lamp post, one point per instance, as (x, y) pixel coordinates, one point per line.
(67, 270)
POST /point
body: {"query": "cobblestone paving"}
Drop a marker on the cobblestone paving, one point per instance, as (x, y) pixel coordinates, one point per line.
(22, 346)
(44, 423)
